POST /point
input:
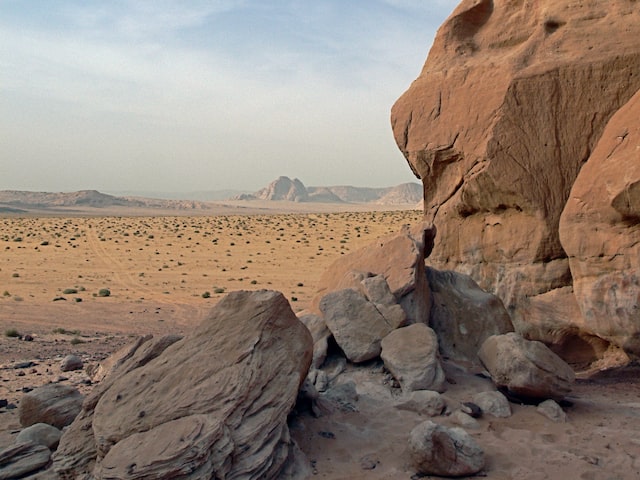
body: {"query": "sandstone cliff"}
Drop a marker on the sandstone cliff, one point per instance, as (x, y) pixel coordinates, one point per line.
(509, 106)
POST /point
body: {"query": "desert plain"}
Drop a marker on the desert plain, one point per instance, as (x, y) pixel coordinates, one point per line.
(164, 273)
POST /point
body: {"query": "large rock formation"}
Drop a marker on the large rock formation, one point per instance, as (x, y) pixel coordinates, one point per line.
(212, 405)
(511, 102)
(600, 231)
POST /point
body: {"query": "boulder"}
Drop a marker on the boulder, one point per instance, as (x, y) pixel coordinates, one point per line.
(448, 452)
(357, 326)
(40, 434)
(527, 369)
(214, 404)
(463, 315)
(553, 411)
(423, 402)
(493, 403)
(512, 100)
(377, 291)
(411, 355)
(53, 404)
(399, 258)
(22, 459)
(600, 231)
(71, 363)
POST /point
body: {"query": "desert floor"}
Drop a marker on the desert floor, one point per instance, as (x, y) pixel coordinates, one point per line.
(164, 273)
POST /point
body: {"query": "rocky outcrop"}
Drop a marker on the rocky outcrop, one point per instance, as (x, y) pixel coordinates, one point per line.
(526, 369)
(283, 188)
(600, 231)
(511, 101)
(213, 404)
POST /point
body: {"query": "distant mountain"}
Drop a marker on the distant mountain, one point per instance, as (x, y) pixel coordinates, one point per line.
(199, 195)
(285, 189)
(12, 199)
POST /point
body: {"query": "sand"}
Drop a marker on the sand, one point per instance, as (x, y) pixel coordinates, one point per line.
(165, 272)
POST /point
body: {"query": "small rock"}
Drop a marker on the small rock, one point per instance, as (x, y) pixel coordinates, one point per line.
(345, 395)
(438, 450)
(464, 420)
(493, 403)
(71, 363)
(552, 411)
(28, 338)
(3, 402)
(369, 462)
(423, 402)
(329, 435)
(40, 434)
(20, 365)
(471, 409)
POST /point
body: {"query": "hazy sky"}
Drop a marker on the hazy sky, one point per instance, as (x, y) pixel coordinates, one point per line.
(162, 95)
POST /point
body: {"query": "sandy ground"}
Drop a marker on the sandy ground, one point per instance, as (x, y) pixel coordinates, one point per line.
(157, 270)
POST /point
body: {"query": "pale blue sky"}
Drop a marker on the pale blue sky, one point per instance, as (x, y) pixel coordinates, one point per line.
(162, 95)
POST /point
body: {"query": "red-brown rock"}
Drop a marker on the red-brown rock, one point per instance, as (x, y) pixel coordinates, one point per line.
(511, 102)
(600, 231)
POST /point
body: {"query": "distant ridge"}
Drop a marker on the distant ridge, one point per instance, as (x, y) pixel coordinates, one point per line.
(12, 200)
(285, 189)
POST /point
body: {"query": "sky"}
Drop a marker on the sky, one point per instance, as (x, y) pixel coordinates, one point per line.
(201, 95)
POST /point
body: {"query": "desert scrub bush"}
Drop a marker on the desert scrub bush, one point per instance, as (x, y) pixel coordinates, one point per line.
(206, 295)
(15, 275)
(218, 290)
(12, 333)
(104, 292)
(6, 293)
(76, 341)
(69, 291)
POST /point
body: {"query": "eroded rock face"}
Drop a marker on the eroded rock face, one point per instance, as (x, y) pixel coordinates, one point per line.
(214, 404)
(600, 231)
(508, 107)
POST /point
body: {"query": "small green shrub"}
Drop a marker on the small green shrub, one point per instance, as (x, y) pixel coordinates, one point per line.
(6, 293)
(104, 292)
(12, 332)
(206, 295)
(69, 291)
(15, 275)
(218, 290)
(76, 341)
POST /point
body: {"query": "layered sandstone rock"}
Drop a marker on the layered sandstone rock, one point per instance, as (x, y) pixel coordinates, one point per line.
(600, 231)
(212, 405)
(507, 109)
